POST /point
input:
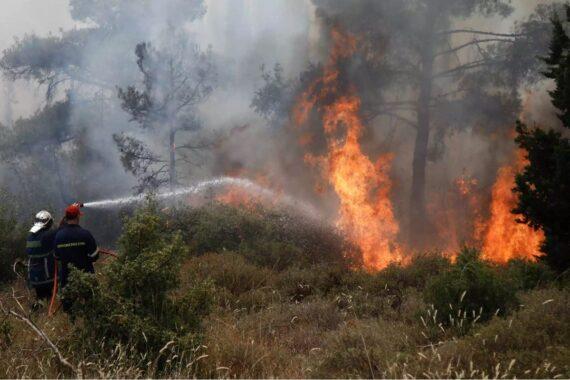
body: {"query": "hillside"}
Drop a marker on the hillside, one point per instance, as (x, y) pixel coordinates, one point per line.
(226, 292)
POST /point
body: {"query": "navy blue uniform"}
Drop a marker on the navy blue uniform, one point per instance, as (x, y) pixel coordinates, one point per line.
(75, 246)
(41, 263)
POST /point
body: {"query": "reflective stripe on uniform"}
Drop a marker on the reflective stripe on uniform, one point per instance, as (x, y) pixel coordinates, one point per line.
(69, 245)
(95, 253)
(32, 256)
(46, 267)
(33, 244)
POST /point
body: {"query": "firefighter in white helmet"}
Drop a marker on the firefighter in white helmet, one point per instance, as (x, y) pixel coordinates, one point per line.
(40, 250)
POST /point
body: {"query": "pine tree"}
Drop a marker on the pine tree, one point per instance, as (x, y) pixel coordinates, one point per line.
(544, 185)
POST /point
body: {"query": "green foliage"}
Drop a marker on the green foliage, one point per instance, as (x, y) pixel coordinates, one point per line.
(544, 184)
(470, 286)
(532, 342)
(558, 67)
(12, 238)
(44, 59)
(139, 302)
(33, 149)
(273, 100)
(265, 237)
(416, 274)
(229, 271)
(542, 190)
(528, 275)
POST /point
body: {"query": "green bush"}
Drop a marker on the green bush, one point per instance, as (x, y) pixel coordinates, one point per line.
(416, 274)
(297, 283)
(265, 237)
(238, 283)
(227, 270)
(138, 301)
(12, 238)
(470, 289)
(528, 275)
(532, 342)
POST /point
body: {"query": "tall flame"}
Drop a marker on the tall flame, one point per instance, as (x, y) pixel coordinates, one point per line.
(504, 238)
(363, 187)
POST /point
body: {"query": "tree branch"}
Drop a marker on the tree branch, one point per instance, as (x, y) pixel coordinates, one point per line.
(474, 42)
(467, 66)
(43, 336)
(481, 32)
(449, 93)
(395, 115)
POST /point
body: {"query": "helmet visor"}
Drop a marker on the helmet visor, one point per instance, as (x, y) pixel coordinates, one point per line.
(38, 225)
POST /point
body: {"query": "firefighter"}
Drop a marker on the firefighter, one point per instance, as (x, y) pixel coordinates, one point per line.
(74, 245)
(40, 250)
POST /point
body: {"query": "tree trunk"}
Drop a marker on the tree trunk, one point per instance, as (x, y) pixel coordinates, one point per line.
(172, 181)
(419, 223)
(62, 186)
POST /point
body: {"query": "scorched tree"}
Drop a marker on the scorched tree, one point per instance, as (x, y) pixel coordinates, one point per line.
(176, 78)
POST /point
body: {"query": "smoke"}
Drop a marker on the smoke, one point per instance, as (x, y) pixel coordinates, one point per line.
(244, 36)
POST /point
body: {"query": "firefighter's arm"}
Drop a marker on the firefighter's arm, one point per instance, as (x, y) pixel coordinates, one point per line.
(92, 249)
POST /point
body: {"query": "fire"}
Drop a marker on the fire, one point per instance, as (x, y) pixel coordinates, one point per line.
(504, 238)
(465, 185)
(457, 214)
(363, 187)
(239, 197)
(234, 196)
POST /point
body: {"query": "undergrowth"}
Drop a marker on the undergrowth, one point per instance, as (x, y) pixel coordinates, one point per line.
(212, 292)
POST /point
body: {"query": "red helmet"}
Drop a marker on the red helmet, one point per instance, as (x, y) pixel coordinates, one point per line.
(73, 211)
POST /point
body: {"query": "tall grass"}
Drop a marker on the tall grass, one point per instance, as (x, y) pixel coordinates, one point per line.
(233, 316)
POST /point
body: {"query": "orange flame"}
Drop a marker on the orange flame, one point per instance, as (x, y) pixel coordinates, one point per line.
(504, 238)
(239, 197)
(456, 214)
(363, 188)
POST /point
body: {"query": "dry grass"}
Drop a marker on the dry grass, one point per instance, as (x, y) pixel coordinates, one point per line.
(316, 322)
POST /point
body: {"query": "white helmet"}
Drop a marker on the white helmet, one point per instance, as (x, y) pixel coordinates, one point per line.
(42, 219)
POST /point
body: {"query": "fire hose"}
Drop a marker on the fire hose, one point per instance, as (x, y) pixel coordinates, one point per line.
(51, 310)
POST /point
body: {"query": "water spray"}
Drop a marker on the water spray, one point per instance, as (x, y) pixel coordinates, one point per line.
(205, 185)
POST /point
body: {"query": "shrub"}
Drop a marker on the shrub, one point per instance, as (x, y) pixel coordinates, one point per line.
(532, 342)
(136, 303)
(12, 238)
(528, 275)
(362, 349)
(297, 283)
(230, 352)
(227, 270)
(274, 342)
(416, 274)
(470, 289)
(238, 283)
(271, 238)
